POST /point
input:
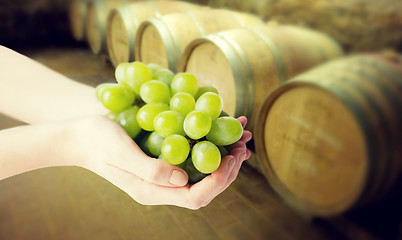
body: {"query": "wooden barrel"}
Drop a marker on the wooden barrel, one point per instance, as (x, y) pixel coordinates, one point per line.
(245, 64)
(162, 40)
(77, 13)
(329, 140)
(123, 22)
(97, 14)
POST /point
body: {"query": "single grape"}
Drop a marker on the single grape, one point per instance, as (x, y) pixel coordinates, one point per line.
(147, 113)
(184, 82)
(155, 91)
(154, 143)
(120, 71)
(204, 89)
(136, 74)
(165, 76)
(225, 131)
(206, 157)
(143, 144)
(101, 88)
(210, 103)
(112, 115)
(128, 120)
(197, 124)
(183, 164)
(175, 149)
(154, 68)
(194, 175)
(116, 97)
(182, 102)
(140, 136)
(169, 122)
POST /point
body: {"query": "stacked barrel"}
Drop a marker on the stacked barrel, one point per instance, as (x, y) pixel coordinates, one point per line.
(330, 139)
(327, 127)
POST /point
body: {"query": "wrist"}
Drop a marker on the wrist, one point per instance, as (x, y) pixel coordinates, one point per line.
(31, 147)
(75, 147)
(84, 141)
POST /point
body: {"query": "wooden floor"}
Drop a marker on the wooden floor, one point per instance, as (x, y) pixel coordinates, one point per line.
(73, 203)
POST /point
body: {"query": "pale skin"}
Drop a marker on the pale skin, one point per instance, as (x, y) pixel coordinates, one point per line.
(67, 127)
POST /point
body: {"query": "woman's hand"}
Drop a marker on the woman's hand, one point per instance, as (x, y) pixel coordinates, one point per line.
(102, 146)
(93, 142)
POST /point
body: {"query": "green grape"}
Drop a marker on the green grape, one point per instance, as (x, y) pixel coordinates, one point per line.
(128, 120)
(112, 115)
(136, 74)
(120, 71)
(101, 88)
(225, 131)
(140, 136)
(204, 89)
(197, 124)
(184, 82)
(210, 103)
(183, 164)
(175, 149)
(116, 98)
(183, 103)
(155, 91)
(194, 175)
(169, 122)
(154, 68)
(147, 113)
(154, 143)
(165, 76)
(206, 157)
(143, 144)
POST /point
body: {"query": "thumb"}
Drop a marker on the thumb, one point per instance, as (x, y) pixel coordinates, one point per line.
(158, 171)
(152, 170)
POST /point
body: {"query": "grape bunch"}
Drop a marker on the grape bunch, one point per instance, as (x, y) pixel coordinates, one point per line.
(170, 117)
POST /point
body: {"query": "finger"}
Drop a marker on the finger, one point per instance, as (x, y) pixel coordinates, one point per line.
(144, 192)
(247, 135)
(207, 189)
(194, 197)
(243, 121)
(238, 144)
(240, 156)
(147, 193)
(156, 171)
(248, 154)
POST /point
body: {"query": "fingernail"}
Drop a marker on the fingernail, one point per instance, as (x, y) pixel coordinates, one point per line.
(178, 178)
(231, 163)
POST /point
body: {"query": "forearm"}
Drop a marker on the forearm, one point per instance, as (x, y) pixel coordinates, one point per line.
(35, 146)
(34, 93)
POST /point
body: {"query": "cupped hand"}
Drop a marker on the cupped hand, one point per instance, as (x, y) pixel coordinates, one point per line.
(103, 147)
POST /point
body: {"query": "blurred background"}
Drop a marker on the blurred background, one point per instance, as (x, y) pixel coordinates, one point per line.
(72, 203)
(359, 25)
(34, 23)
